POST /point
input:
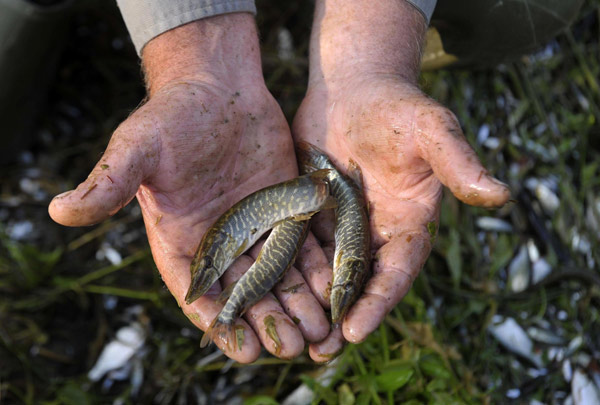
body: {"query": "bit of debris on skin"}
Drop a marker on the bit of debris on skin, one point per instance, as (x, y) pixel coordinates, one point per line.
(109, 179)
(331, 356)
(193, 316)
(104, 167)
(471, 197)
(432, 229)
(293, 289)
(158, 219)
(327, 293)
(89, 190)
(239, 336)
(296, 320)
(272, 333)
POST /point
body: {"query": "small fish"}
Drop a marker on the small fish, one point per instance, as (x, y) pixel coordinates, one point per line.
(351, 264)
(241, 226)
(275, 258)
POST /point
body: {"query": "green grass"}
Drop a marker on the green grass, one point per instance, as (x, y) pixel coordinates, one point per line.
(59, 305)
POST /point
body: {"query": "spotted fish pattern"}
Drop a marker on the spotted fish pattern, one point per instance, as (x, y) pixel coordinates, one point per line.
(351, 264)
(244, 223)
(275, 258)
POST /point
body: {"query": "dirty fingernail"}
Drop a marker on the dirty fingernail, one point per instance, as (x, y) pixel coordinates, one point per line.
(495, 180)
(63, 195)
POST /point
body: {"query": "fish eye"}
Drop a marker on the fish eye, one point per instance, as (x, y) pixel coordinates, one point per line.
(348, 286)
(208, 261)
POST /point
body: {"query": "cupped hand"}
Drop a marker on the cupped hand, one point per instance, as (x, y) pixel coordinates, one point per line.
(201, 143)
(407, 146)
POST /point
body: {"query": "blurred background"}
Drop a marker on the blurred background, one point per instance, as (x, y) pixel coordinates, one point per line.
(506, 310)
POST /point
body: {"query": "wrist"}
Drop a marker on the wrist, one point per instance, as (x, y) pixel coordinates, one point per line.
(220, 49)
(362, 38)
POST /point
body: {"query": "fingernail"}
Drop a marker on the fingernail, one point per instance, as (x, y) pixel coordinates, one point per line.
(63, 195)
(498, 182)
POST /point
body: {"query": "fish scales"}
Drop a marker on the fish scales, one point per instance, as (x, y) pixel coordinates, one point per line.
(351, 265)
(276, 257)
(244, 223)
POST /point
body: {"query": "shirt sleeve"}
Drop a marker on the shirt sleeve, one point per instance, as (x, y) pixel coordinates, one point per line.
(146, 19)
(426, 7)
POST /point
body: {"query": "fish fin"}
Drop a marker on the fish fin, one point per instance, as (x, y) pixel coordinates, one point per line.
(355, 173)
(303, 217)
(259, 256)
(218, 329)
(320, 175)
(242, 248)
(330, 202)
(207, 337)
(224, 296)
(337, 260)
(239, 336)
(246, 307)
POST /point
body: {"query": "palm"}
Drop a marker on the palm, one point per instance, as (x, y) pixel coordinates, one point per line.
(189, 154)
(377, 129)
(218, 147)
(406, 146)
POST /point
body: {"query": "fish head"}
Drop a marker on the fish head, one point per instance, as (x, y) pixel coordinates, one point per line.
(208, 264)
(342, 297)
(346, 291)
(205, 271)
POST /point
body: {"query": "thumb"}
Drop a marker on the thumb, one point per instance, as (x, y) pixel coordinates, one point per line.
(113, 182)
(442, 144)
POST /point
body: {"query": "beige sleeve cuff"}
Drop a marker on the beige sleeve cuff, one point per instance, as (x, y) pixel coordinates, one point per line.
(146, 19)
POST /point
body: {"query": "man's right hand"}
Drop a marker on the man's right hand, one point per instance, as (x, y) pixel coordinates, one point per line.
(209, 135)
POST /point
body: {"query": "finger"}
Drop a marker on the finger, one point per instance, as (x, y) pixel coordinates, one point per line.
(315, 268)
(396, 266)
(275, 330)
(442, 144)
(329, 348)
(299, 303)
(176, 275)
(114, 180)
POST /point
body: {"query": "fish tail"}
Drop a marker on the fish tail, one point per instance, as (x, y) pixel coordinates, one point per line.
(311, 158)
(218, 329)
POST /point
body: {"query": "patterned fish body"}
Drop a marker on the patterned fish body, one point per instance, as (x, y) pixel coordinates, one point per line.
(351, 264)
(241, 226)
(276, 257)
